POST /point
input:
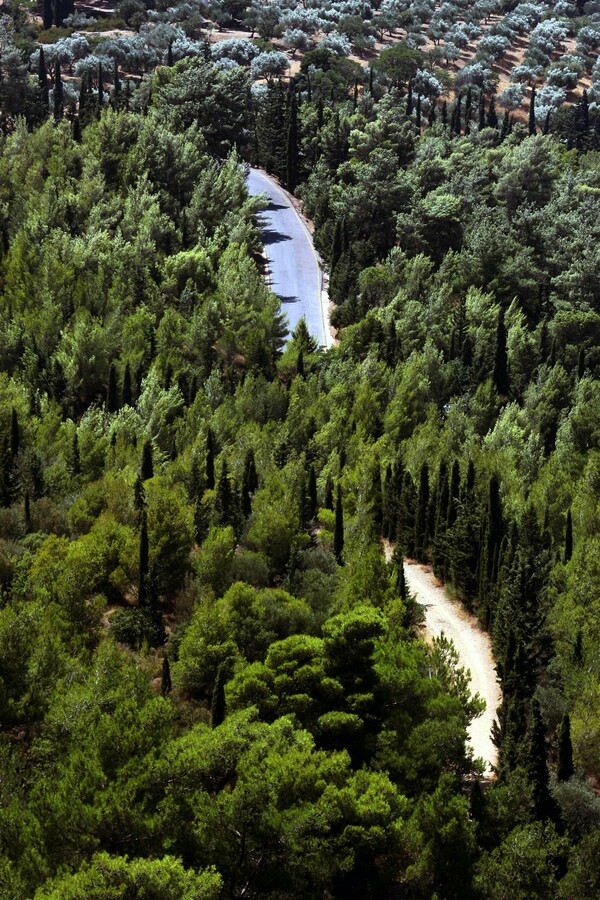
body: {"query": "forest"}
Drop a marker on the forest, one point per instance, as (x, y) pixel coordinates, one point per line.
(212, 683)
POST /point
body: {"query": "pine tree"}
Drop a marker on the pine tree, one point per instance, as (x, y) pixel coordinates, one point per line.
(147, 464)
(338, 535)
(112, 396)
(126, 392)
(421, 536)
(43, 80)
(166, 685)
(568, 537)
(58, 92)
(210, 460)
(218, 708)
(532, 126)
(564, 764)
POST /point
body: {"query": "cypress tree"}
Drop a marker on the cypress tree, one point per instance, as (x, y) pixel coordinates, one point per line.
(405, 528)
(59, 13)
(218, 709)
(100, 87)
(418, 113)
(422, 511)
(492, 115)
(75, 457)
(581, 363)
(564, 764)
(328, 501)
(58, 92)
(76, 130)
(468, 104)
(546, 128)
(144, 561)
(27, 512)
(47, 14)
(166, 685)
(457, 116)
(170, 54)
(147, 464)
(501, 359)
(444, 113)
(532, 127)
(15, 434)
(431, 116)
(355, 95)
(223, 498)
(112, 396)
(537, 766)
(313, 505)
(210, 460)
(116, 84)
(293, 151)
(481, 111)
(338, 535)
(249, 482)
(126, 392)
(371, 80)
(300, 364)
(569, 537)
(453, 495)
(409, 99)
(43, 80)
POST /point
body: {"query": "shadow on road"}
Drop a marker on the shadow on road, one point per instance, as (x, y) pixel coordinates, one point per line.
(276, 206)
(274, 237)
(284, 299)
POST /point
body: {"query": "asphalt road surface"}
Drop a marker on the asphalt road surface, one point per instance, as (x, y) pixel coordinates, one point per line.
(294, 273)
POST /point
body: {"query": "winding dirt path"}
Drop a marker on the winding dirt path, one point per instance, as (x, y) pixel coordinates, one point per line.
(474, 649)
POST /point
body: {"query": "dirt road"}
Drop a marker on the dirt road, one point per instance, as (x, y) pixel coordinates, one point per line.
(473, 646)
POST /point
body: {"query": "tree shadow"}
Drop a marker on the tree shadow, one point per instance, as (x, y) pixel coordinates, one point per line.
(270, 236)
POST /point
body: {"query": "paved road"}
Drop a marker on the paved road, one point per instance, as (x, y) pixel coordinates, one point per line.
(294, 272)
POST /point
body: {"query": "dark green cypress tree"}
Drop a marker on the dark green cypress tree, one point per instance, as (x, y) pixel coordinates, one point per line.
(481, 111)
(15, 434)
(166, 685)
(112, 396)
(569, 537)
(492, 115)
(442, 495)
(218, 709)
(328, 501)
(249, 482)
(537, 766)
(371, 75)
(355, 95)
(58, 92)
(144, 562)
(126, 392)
(300, 364)
(75, 456)
(468, 105)
(210, 460)
(313, 504)
(100, 87)
(409, 99)
(444, 113)
(338, 535)
(431, 117)
(223, 498)
(27, 513)
(581, 364)
(418, 114)
(421, 536)
(59, 13)
(337, 245)
(170, 55)
(546, 128)
(405, 529)
(453, 495)
(293, 147)
(147, 464)
(43, 81)
(457, 116)
(76, 130)
(47, 14)
(501, 380)
(564, 763)
(532, 126)
(116, 84)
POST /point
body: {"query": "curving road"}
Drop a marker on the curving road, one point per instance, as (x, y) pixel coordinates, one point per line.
(294, 272)
(474, 649)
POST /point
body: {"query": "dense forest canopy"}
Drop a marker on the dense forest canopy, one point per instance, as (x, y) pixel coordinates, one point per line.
(212, 683)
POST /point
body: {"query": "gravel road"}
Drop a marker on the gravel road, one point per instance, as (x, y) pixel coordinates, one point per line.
(473, 646)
